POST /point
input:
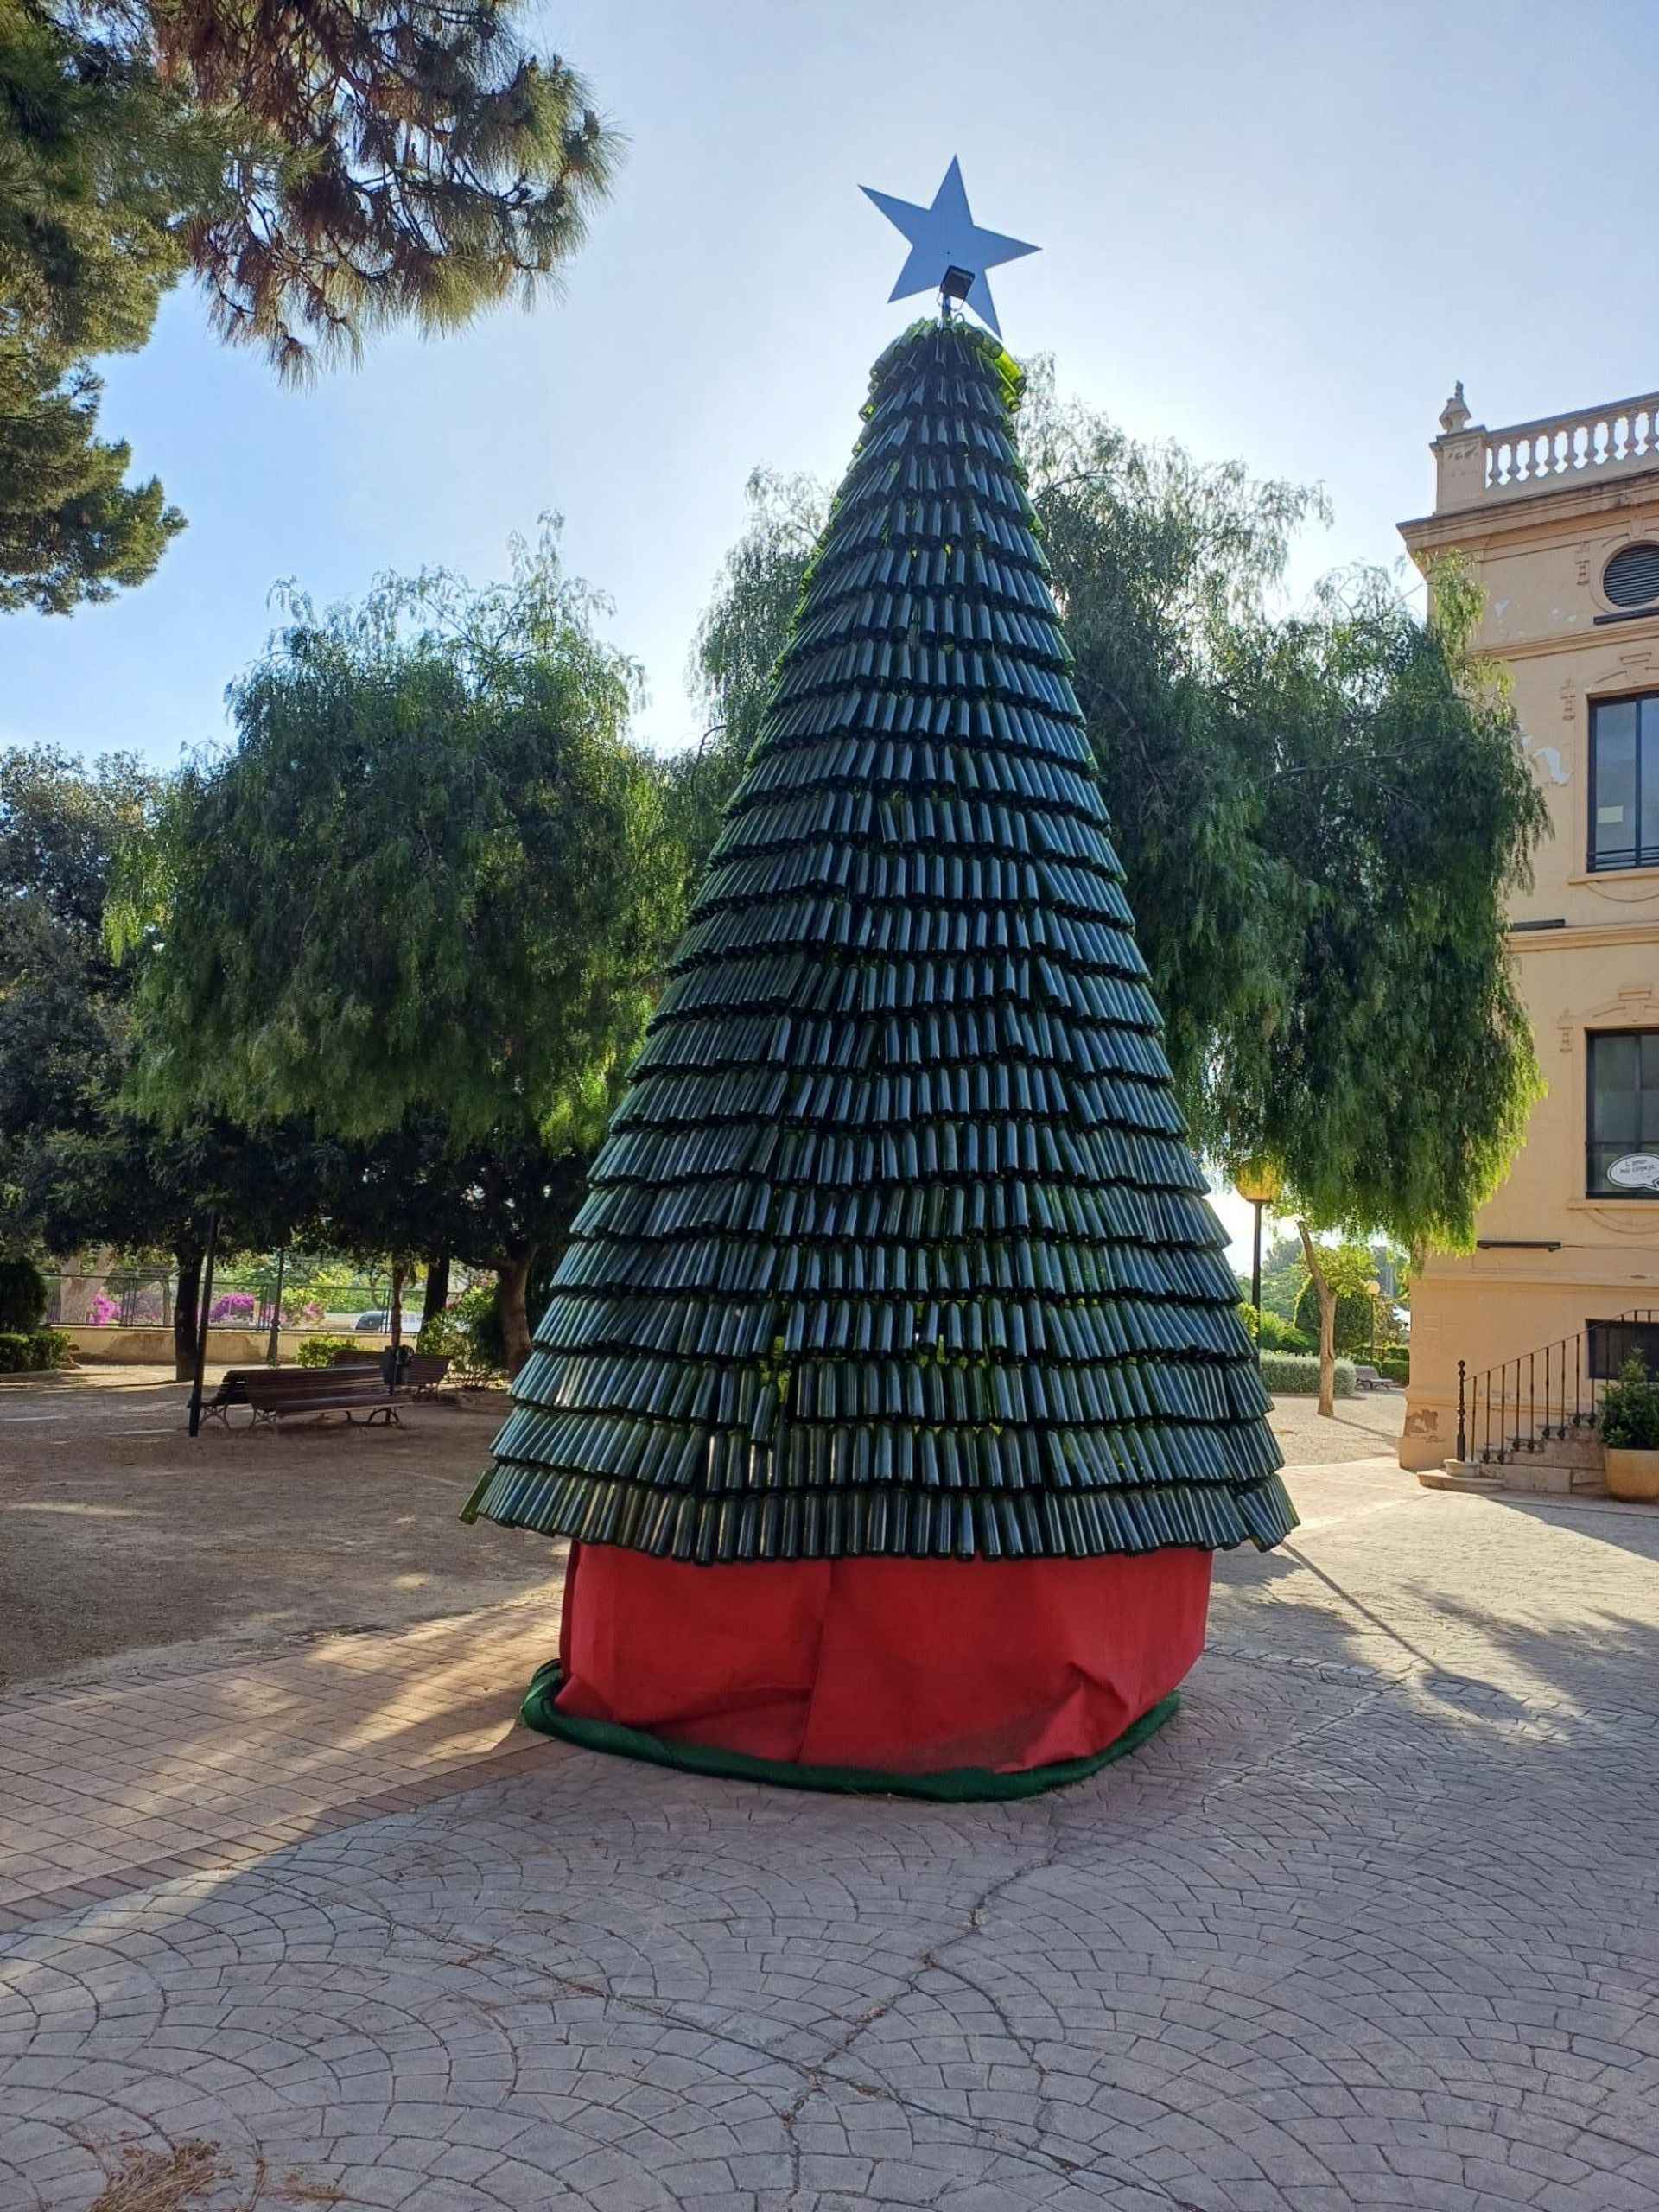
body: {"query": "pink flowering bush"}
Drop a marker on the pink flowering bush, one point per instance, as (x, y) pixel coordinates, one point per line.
(234, 1311)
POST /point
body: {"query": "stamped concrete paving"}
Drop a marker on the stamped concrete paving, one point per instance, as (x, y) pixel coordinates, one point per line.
(1373, 1923)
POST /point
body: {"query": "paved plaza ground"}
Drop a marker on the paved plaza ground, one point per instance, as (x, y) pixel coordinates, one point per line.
(290, 1917)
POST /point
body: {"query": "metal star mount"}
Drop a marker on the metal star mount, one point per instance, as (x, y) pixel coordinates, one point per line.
(945, 242)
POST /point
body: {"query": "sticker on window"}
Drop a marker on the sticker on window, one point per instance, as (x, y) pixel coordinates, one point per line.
(1635, 1171)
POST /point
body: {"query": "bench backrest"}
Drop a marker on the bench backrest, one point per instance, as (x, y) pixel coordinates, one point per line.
(340, 1385)
(233, 1388)
(422, 1370)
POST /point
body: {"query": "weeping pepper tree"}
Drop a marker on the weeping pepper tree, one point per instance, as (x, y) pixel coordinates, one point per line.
(430, 884)
(1321, 818)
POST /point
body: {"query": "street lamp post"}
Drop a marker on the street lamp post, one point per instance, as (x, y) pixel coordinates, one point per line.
(274, 1341)
(1261, 1183)
(194, 1422)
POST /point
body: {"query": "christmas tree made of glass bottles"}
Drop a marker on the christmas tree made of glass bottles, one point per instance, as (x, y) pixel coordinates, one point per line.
(895, 1246)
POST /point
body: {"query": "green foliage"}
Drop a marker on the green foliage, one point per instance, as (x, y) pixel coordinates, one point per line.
(318, 1352)
(470, 1332)
(1395, 1361)
(324, 173)
(432, 878)
(1362, 1319)
(415, 1189)
(735, 652)
(1354, 1319)
(443, 1336)
(33, 1352)
(22, 1294)
(1629, 1408)
(1297, 1374)
(77, 1166)
(1275, 1334)
(95, 161)
(72, 1167)
(1283, 1273)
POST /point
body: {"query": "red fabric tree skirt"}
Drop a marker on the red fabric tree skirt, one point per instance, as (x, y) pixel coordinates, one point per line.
(906, 1666)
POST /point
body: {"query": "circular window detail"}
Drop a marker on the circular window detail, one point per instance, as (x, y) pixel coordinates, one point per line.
(1631, 577)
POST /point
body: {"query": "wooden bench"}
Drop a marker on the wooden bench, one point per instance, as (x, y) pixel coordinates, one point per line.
(271, 1394)
(233, 1389)
(312, 1391)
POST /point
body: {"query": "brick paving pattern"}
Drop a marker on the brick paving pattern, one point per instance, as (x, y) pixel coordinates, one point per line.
(1372, 1923)
(168, 1771)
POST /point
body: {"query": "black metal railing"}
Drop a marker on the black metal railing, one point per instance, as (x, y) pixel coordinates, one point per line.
(1550, 1395)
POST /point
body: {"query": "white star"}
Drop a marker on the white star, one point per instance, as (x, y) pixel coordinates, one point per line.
(944, 236)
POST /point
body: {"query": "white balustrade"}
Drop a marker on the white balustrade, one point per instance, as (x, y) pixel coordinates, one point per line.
(1477, 465)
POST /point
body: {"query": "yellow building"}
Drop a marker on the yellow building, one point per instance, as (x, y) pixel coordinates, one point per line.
(1561, 519)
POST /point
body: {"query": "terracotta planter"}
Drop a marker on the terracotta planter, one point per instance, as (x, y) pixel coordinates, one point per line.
(1632, 1474)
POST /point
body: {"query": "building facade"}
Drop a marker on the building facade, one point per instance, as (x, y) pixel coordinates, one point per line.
(1560, 517)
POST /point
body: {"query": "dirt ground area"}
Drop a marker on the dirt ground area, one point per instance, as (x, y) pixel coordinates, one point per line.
(119, 1534)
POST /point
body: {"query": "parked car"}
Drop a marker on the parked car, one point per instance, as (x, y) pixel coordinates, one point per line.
(380, 1324)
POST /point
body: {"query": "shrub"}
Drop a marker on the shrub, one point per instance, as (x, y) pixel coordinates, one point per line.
(443, 1334)
(1395, 1361)
(472, 1327)
(22, 1295)
(30, 1352)
(318, 1352)
(1296, 1374)
(236, 1310)
(1277, 1334)
(1629, 1408)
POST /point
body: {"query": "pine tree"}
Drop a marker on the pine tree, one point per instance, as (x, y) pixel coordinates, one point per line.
(894, 1246)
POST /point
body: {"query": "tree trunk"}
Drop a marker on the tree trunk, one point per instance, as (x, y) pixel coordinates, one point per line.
(437, 1290)
(1328, 1298)
(512, 1271)
(188, 1258)
(395, 1316)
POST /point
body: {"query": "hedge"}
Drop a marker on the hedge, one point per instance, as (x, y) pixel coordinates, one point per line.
(1395, 1361)
(1296, 1374)
(318, 1352)
(31, 1351)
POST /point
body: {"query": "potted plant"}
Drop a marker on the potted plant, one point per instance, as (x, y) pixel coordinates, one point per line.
(1629, 1431)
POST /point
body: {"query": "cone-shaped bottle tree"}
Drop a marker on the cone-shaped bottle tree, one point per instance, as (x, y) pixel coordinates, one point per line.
(895, 1246)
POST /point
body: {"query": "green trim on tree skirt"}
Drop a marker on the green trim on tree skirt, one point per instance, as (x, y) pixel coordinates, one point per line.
(951, 1785)
(895, 1246)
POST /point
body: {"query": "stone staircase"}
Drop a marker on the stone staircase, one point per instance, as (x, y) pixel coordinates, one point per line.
(1528, 1424)
(1558, 1466)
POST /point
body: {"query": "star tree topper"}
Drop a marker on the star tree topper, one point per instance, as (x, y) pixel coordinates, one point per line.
(945, 237)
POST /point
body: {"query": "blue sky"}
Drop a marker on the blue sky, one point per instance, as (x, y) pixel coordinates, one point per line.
(1276, 230)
